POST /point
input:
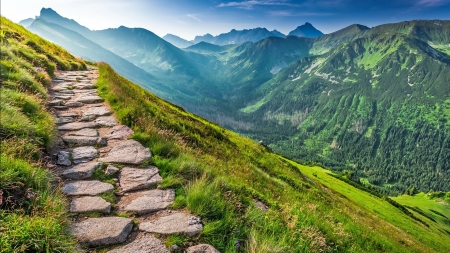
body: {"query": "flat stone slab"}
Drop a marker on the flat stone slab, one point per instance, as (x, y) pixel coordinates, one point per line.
(128, 152)
(147, 201)
(173, 223)
(132, 179)
(74, 104)
(67, 91)
(67, 114)
(83, 86)
(83, 154)
(55, 102)
(89, 99)
(107, 121)
(63, 158)
(98, 111)
(89, 132)
(65, 97)
(202, 248)
(64, 120)
(89, 204)
(84, 140)
(77, 126)
(90, 188)
(60, 107)
(81, 171)
(88, 118)
(102, 231)
(120, 132)
(145, 244)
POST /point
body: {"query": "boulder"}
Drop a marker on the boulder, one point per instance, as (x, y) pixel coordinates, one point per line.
(90, 188)
(132, 179)
(128, 152)
(81, 171)
(83, 154)
(89, 204)
(173, 223)
(145, 244)
(147, 201)
(102, 231)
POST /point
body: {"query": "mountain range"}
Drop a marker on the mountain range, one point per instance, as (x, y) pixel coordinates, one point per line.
(369, 100)
(237, 37)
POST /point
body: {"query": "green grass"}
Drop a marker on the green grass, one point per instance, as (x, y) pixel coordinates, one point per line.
(32, 212)
(218, 175)
(435, 211)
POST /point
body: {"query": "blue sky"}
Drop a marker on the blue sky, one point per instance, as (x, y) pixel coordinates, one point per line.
(187, 18)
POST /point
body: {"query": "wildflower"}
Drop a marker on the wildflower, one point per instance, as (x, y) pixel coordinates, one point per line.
(267, 217)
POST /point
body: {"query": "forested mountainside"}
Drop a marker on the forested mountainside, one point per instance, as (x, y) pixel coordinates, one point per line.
(371, 100)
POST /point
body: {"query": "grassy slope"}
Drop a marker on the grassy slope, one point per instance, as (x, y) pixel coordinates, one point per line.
(217, 175)
(434, 211)
(32, 213)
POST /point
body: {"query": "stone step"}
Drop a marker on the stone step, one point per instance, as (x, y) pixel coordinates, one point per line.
(64, 120)
(97, 111)
(120, 132)
(202, 248)
(107, 121)
(67, 114)
(55, 102)
(91, 188)
(89, 204)
(81, 171)
(173, 223)
(78, 126)
(89, 132)
(132, 179)
(102, 231)
(145, 244)
(128, 152)
(84, 140)
(83, 154)
(89, 99)
(146, 201)
(74, 104)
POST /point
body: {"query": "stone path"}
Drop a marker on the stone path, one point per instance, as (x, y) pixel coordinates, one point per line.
(90, 143)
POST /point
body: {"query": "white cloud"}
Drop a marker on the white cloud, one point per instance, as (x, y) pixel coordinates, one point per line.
(193, 17)
(248, 5)
(431, 3)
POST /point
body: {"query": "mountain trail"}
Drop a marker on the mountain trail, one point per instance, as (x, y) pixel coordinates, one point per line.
(112, 190)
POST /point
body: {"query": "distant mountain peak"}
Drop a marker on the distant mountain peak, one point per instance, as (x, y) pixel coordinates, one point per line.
(307, 30)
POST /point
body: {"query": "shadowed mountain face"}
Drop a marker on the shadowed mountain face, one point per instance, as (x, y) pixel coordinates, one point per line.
(306, 30)
(371, 100)
(177, 41)
(237, 37)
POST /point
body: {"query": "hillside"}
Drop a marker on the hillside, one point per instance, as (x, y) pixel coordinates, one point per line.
(376, 102)
(248, 198)
(32, 212)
